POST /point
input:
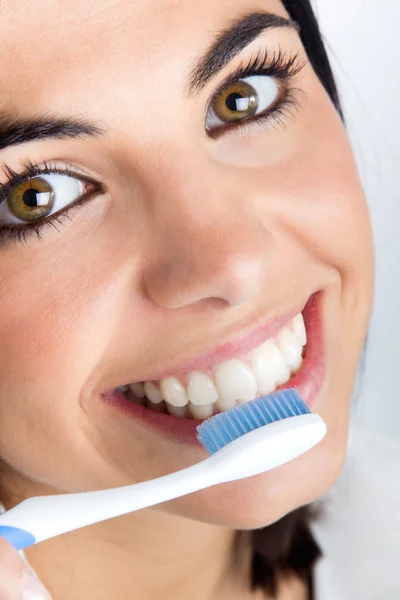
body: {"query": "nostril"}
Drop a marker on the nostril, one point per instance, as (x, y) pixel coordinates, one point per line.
(229, 263)
(229, 283)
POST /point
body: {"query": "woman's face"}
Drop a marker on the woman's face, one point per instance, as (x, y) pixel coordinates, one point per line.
(195, 234)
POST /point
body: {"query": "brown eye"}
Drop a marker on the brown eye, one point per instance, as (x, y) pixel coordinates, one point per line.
(242, 100)
(39, 197)
(237, 101)
(31, 200)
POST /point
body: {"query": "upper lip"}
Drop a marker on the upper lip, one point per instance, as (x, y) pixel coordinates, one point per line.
(239, 345)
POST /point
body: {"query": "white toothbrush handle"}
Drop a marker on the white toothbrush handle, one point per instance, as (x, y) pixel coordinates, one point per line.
(48, 516)
(42, 517)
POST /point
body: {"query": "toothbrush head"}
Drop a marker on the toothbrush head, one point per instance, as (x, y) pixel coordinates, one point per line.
(223, 428)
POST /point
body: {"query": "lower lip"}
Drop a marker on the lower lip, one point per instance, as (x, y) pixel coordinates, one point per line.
(307, 382)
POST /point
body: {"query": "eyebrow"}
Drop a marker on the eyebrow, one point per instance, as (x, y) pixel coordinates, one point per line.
(15, 131)
(230, 42)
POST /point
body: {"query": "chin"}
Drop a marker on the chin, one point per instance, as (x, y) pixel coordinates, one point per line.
(264, 499)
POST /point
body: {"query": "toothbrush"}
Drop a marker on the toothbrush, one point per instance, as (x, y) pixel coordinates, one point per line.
(243, 441)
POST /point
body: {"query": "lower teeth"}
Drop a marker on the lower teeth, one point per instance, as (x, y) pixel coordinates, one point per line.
(189, 411)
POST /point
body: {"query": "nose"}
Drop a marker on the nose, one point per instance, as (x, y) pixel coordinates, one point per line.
(207, 246)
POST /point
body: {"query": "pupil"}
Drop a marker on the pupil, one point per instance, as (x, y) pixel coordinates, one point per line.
(231, 101)
(29, 197)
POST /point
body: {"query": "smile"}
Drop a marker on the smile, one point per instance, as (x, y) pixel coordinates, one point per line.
(291, 357)
(200, 394)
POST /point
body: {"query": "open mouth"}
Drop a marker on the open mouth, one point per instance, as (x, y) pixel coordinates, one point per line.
(200, 394)
(291, 358)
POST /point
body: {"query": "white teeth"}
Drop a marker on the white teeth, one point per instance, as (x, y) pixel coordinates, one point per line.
(201, 389)
(201, 412)
(177, 411)
(269, 367)
(173, 392)
(234, 381)
(137, 389)
(300, 329)
(157, 406)
(153, 393)
(225, 403)
(291, 348)
(259, 373)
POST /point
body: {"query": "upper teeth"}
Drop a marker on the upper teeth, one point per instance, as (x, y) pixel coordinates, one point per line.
(260, 372)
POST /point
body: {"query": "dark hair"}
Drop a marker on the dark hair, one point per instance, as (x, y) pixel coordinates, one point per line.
(287, 547)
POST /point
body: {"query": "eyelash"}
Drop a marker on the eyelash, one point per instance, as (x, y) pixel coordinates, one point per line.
(280, 66)
(21, 233)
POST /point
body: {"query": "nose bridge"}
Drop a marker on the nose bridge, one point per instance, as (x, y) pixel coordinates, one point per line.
(196, 200)
(208, 243)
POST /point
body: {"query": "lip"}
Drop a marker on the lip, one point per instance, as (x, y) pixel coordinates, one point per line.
(238, 346)
(307, 382)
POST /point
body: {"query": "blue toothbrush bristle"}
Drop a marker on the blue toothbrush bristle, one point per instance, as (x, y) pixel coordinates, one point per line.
(220, 430)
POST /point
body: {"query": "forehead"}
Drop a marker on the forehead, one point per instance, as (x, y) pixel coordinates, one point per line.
(54, 48)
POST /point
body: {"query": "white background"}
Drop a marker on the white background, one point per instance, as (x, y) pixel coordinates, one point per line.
(364, 46)
(358, 534)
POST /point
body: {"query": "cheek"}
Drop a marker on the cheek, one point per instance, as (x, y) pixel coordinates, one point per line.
(331, 221)
(330, 217)
(53, 329)
(315, 196)
(330, 212)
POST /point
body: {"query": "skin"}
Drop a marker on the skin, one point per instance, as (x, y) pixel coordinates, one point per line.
(196, 240)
